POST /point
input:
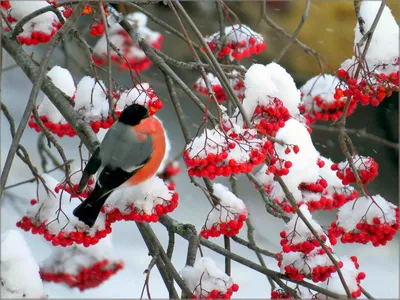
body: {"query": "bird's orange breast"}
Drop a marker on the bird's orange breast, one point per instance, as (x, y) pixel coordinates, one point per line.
(152, 128)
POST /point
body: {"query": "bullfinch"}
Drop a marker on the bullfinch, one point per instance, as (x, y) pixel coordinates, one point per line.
(131, 152)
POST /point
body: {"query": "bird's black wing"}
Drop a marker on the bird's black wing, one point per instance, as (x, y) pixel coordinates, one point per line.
(91, 168)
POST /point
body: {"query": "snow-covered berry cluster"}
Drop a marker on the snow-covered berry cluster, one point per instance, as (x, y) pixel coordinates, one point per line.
(322, 101)
(130, 55)
(39, 29)
(81, 267)
(234, 80)
(351, 275)
(97, 29)
(366, 166)
(218, 153)
(227, 217)
(206, 281)
(303, 255)
(145, 202)
(67, 9)
(302, 292)
(375, 77)
(364, 220)
(240, 42)
(51, 216)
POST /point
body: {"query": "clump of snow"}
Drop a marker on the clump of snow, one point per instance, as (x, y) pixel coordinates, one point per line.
(72, 259)
(323, 86)
(228, 208)
(235, 34)
(144, 196)
(63, 80)
(297, 231)
(304, 168)
(383, 50)
(350, 214)
(262, 83)
(19, 271)
(91, 99)
(205, 276)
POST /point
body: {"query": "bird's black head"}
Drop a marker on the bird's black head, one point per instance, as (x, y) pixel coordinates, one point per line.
(133, 114)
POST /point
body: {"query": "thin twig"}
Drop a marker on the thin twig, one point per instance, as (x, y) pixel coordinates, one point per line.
(295, 33)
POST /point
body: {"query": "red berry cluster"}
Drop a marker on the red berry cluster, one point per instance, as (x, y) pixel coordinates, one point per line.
(268, 119)
(131, 214)
(74, 191)
(227, 228)
(97, 29)
(68, 10)
(219, 164)
(318, 274)
(217, 88)
(215, 294)
(367, 166)
(371, 90)
(320, 163)
(88, 277)
(240, 49)
(171, 170)
(38, 37)
(305, 247)
(280, 294)
(377, 233)
(336, 200)
(5, 4)
(325, 111)
(63, 239)
(278, 166)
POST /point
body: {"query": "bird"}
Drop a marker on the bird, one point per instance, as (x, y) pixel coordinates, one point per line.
(131, 152)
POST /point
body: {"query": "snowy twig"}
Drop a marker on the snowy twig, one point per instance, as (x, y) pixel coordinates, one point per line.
(293, 203)
(360, 20)
(228, 263)
(360, 133)
(295, 33)
(306, 49)
(366, 294)
(252, 246)
(171, 244)
(221, 24)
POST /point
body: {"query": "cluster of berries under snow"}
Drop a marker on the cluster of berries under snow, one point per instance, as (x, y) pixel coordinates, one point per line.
(90, 100)
(374, 79)
(80, 267)
(240, 42)
(303, 255)
(19, 271)
(366, 166)
(130, 56)
(227, 217)
(367, 219)
(234, 80)
(206, 281)
(39, 29)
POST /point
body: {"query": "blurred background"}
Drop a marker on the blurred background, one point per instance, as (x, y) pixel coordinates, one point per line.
(329, 30)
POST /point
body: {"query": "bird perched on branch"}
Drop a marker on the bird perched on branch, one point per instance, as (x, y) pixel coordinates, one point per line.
(130, 153)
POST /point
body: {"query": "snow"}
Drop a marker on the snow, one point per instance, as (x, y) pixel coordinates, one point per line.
(384, 48)
(144, 196)
(360, 163)
(19, 270)
(63, 80)
(42, 23)
(236, 33)
(263, 83)
(205, 276)
(304, 167)
(138, 94)
(91, 99)
(73, 258)
(320, 85)
(228, 208)
(350, 214)
(297, 231)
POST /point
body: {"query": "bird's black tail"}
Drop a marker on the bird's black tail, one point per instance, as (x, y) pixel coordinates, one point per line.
(89, 210)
